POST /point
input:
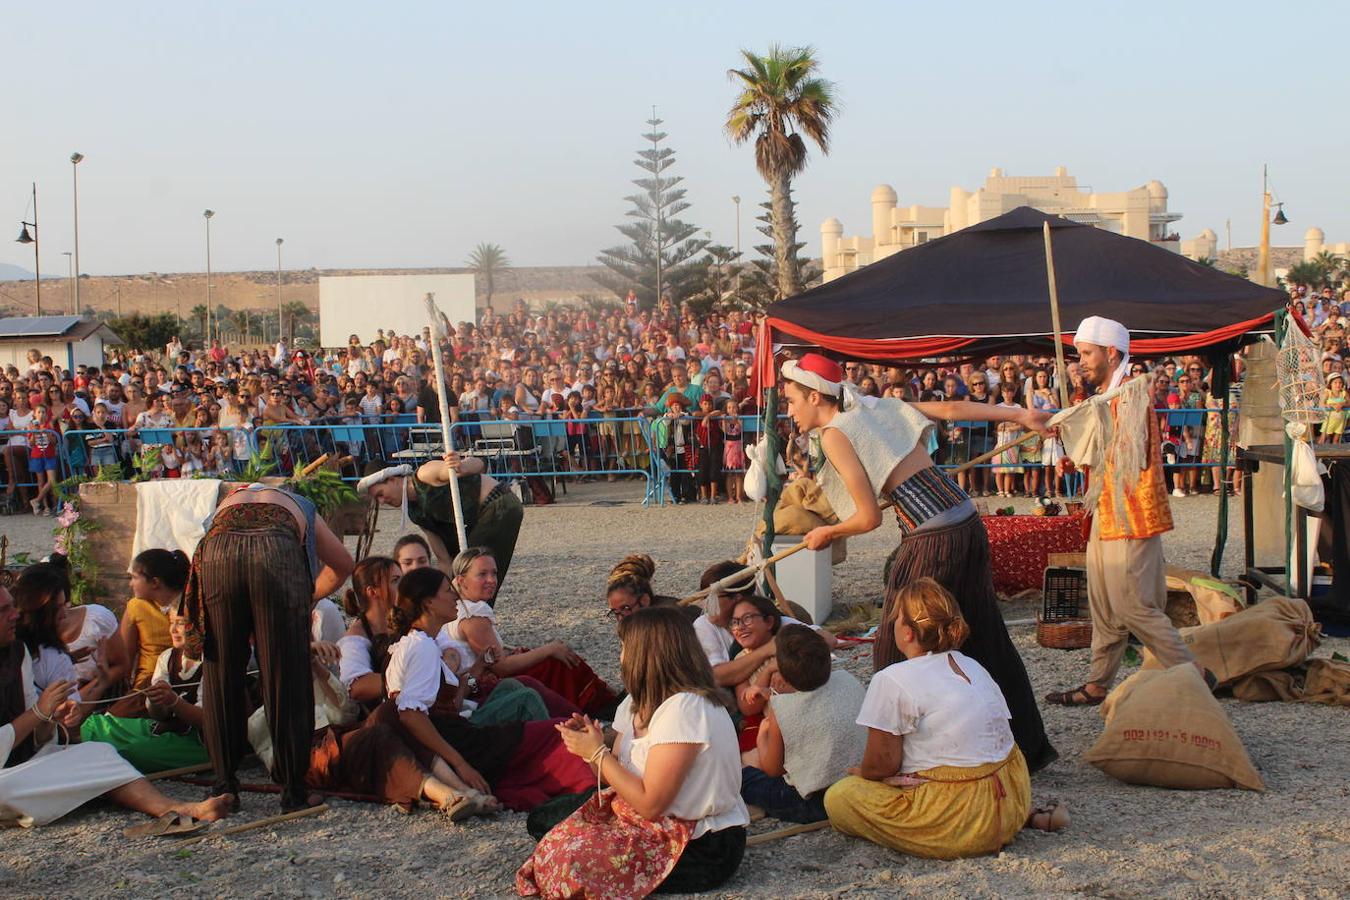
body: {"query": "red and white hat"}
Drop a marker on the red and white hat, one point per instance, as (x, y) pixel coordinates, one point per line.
(817, 372)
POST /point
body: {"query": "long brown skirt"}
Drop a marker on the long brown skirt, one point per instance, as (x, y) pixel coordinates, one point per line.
(957, 557)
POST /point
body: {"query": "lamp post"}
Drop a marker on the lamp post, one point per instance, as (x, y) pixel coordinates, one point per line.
(736, 199)
(25, 238)
(75, 184)
(207, 215)
(279, 243)
(70, 277)
(1263, 259)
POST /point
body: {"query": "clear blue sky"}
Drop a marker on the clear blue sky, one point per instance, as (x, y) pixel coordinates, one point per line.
(401, 134)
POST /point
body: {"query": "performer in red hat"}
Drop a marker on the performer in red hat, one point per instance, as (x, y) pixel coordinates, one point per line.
(877, 448)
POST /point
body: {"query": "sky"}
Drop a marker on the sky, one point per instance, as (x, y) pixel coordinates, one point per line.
(402, 135)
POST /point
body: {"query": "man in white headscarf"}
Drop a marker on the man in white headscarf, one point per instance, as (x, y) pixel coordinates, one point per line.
(1127, 578)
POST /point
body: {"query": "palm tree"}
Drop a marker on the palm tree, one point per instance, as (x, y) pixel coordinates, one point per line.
(488, 261)
(291, 311)
(781, 99)
(199, 313)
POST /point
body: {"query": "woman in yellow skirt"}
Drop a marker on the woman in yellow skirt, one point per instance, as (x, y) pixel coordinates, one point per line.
(941, 776)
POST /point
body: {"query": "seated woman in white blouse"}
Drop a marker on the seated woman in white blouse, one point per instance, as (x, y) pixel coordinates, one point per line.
(674, 778)
(41, 782)
(40, 594)
(940, 775)
(561, 677)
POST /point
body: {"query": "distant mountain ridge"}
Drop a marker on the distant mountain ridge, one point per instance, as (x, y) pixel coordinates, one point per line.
(9, 272)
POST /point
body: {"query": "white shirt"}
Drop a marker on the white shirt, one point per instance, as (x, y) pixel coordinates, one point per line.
(717, 642)
(325, 622)
(416, 672)
(944, 720)
(711, 794)
(355, 660)
(468, 609)
(51, 666)
(189, 673)
(99, 623)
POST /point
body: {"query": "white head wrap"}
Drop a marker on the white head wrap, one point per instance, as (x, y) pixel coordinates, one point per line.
(816, 382)
(1105, 332)
(402, 471)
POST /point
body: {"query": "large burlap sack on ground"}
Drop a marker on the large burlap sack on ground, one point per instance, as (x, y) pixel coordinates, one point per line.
(1164, 728)
(1272, 634)
(1319, 681)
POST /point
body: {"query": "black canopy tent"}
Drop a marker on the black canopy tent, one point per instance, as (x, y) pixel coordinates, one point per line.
(983, 290)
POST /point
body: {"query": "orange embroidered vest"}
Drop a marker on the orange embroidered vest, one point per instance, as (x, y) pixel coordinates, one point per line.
(1145, 512)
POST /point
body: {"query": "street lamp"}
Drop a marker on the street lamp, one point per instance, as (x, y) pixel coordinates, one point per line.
(75, 182)
(26, 238)
(1263, 259)
(207, 215)
(70, 277)
(279, 243)
(736, 199)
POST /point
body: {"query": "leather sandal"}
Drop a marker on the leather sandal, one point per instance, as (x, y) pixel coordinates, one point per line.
(1079, 696)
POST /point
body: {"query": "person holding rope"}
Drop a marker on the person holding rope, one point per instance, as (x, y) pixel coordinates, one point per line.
(267, 556)
(879, 448)
(1127, 496)
(492, 514)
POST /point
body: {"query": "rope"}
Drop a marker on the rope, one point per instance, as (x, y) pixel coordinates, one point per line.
(177, 688)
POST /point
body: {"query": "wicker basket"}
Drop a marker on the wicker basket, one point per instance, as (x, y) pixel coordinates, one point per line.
(1067, 634)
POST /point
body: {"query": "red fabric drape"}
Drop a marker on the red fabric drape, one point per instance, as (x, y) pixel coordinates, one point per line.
(946, 346)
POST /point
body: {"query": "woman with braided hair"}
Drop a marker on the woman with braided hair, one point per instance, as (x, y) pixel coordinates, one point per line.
(940, 776)
(629, 588)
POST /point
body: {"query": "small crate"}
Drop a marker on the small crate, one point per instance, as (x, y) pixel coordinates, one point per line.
(1065, 594)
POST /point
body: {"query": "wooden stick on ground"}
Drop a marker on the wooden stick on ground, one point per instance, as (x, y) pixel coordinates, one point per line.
(781, 833)
(181, 770)
(261, 823)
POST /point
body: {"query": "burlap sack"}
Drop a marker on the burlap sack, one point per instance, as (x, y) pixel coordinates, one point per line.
(1164, 728)
(1272, 634)
(1318, 681)
(801, 507)
(1214, 600)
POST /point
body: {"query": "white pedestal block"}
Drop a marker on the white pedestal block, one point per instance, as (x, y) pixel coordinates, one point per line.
(805, 577)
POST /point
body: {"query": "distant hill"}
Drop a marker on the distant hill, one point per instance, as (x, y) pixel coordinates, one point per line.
(10, 272)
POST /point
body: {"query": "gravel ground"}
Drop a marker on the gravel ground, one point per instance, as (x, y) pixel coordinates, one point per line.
(1124, 841)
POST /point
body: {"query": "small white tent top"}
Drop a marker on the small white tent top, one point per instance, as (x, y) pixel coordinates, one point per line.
(69, 340)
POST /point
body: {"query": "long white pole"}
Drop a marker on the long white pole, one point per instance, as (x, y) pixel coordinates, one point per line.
(1061, 375)
(443, 385)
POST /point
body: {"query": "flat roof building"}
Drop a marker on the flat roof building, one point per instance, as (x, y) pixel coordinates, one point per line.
(1139, 213)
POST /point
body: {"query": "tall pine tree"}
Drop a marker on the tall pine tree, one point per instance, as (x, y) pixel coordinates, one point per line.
(659, 258)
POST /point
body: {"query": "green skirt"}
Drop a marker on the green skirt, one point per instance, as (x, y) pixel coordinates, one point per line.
(510, 701)
(140, 746)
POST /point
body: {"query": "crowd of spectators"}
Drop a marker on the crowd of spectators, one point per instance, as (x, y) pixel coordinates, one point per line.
(596, 393)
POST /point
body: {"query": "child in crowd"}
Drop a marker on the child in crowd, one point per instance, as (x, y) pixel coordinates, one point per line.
(734, 461)
(1008, 468)
(1335, 400)
(708, 435)
(42, 460)
(808, 737)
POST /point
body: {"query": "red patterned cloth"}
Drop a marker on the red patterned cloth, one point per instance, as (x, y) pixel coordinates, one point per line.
(604, 850)
(1019, 545)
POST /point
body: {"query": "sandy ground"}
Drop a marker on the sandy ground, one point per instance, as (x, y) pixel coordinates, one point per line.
(1124, 841)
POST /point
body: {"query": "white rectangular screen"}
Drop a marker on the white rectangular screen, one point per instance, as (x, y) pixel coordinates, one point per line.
(362, 304)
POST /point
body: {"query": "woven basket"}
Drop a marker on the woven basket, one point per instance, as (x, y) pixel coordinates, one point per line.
(1067, 634)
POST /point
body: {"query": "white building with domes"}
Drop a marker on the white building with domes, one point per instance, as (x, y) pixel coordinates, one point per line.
(1139, 213)
(1315, 242)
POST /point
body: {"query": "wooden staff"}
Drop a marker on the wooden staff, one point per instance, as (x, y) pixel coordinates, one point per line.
(781, 833)
(795, 548)
(314, 465)
(181, 770)
(1061, 372)
(443, 385)
(260, 823)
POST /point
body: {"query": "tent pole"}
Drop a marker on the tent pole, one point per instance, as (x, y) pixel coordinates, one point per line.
(1061, 373)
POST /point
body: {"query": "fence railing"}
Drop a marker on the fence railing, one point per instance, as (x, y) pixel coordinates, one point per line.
(666, 454)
